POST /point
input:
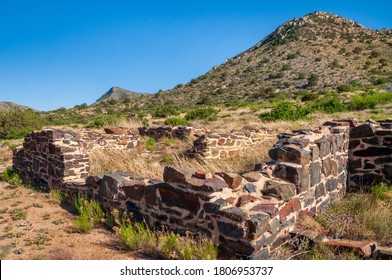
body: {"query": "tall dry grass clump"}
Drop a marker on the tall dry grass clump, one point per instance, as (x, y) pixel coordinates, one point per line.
(131, 161)
(150, 159)
(244, 162)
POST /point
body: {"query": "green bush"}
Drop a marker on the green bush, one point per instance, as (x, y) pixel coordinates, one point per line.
(164, 111)
(330, 104)
(203, 113)
(286, 111)
(17, 123)
(369, 100)
(344, 88)
(150, 143)
(100, 121)
(176, 121)
(11, 177)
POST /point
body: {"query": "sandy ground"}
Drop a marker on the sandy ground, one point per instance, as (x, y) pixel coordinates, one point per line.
(46, 230)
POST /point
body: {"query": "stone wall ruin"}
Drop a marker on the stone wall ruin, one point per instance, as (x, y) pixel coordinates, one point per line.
(248, 215)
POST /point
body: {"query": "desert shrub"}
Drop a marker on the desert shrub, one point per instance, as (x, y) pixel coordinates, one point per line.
(309, 96)
(330, 104)
(100, 121)
(175, 121)
(374, 54)
(203, 113)
(164, 111)
(369, 100)
(312, 80)
(17, 123)
(344, 88)
(381, 81)
(11, 177)
(286, 111)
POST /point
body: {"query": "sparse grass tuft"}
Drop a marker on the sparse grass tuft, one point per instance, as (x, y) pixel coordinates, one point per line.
(57, 195)
(169, 245)
(18, 214)
(40, 239)
(4, 252)
(90, 214)
(370, 214)
(11, 177)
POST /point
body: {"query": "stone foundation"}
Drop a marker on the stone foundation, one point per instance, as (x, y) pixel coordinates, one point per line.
(370, 154)
(51, 157)
(248, 215)
(223, 145)
(166, 131)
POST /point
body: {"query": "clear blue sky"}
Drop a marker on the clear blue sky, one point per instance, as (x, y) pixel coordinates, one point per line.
(63, 53)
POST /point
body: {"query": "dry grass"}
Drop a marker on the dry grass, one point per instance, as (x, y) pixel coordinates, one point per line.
(111, 160)
(245, 162)
(129, 123)
(372, 217)
(150, 164)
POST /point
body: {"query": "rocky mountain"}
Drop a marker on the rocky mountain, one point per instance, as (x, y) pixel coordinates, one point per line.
(118, 93)
(319, 51)
(5, 106)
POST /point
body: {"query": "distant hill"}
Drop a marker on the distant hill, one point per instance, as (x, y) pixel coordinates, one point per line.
(118, 93)
(5, 106)
(318, 52)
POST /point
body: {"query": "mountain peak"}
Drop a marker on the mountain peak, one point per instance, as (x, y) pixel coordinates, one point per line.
(335, 50)
(119, 93)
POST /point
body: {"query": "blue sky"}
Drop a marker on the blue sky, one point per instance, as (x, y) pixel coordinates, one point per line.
(62, 53)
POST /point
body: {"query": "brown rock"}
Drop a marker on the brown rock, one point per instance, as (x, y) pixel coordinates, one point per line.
(364, 248)
(122, 142)
(269, 208)
(291, 207)
(233, 180)
(133, 189)
(114, 130)
(175, 197)
(244, 199)
(252, 176)
(202, 174)
(176, 174)
(282, 190)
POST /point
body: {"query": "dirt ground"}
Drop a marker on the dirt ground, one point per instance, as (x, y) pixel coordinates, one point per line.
(34, 225)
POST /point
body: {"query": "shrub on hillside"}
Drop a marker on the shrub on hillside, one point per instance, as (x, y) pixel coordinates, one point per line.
(330, 104)
(369, 100)
(176, 121)
(286, 111)
(17, 123)
(344, 88)
(164, 111)
(100, 121)
(203, 113)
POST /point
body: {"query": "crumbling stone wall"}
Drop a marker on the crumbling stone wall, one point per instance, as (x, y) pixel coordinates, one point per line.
(370, 154)
(50, 157)
(249, 214)
(167, 131)
(223, 145)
